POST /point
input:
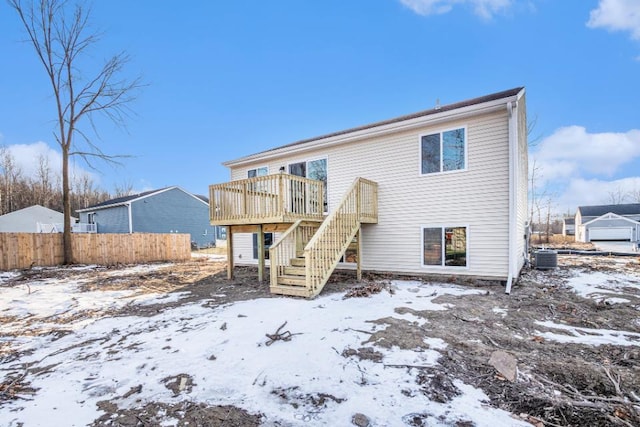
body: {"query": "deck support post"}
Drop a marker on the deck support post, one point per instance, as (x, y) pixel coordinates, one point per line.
(260, 253)
(229, 252)
(359, 256)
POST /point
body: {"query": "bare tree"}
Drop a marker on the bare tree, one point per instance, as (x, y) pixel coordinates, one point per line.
(43, 184)
(10, 177)
(634, 193)
(59, 32)
(536, 195)
(123, 189)
(533, 141)
(617, 196)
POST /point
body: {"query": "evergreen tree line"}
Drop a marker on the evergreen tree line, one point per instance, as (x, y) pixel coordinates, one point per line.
(18, 191)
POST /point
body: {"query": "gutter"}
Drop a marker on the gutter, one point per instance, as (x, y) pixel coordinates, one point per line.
(130, 218)
(512, 108)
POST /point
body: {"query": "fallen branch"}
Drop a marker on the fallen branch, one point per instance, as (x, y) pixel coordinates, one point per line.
(279, 336)
(366, 290)
(405, 366)
(615, 382)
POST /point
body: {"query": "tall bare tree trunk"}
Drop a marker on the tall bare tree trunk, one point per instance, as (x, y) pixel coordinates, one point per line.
(59, 32)
(66, 203)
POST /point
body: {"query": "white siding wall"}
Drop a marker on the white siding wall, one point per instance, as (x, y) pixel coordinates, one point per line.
(523, 181)
(477, 198)
(580, 235)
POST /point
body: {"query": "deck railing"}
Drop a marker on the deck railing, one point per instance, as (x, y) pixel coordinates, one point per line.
(271, 198)
(323, 252)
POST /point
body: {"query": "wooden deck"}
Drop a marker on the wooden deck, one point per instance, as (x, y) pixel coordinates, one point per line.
(311, 244)
(270, 199)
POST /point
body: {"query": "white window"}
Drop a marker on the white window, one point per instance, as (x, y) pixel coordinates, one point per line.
(252, 173)
(444, 246)
(91, 218)
(443, 151)
(268, 241)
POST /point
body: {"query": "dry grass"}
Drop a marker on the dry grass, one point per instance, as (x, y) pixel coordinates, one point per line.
(553, 239)
(211, 251)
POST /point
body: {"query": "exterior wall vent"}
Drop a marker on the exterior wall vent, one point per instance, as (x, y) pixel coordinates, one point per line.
(546, 259)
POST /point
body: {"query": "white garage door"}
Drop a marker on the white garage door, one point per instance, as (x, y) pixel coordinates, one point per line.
(610, 233)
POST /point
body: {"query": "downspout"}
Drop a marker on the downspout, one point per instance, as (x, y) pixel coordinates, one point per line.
(130, 218)
(512, 108)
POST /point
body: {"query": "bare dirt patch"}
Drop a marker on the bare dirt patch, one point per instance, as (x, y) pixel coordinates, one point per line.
(557, 383)
(560, 384)
(182, 414)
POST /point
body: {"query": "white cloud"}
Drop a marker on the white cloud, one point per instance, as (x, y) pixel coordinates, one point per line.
(581, 192)
(572, 151)
(483, 8)
(617, 15)
(26, 157)
(574, 166)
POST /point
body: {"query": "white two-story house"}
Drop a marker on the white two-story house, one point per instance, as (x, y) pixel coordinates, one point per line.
(438, 192)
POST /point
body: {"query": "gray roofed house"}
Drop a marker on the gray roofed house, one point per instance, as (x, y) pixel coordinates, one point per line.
(34, 219)
(608, 222)
(167, 210)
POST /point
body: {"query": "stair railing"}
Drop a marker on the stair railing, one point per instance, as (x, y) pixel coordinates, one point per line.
(289, 245)
(329, 243)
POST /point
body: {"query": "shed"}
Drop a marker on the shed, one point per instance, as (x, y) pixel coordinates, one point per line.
(34, 219)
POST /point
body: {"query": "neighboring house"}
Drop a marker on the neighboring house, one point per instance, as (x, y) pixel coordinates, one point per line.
(608, 222)
(438, 192)
(34, 219)
(168, 210)
(568, 226)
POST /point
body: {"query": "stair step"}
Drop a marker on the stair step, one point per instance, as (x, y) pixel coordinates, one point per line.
(298, 262)
(295, 271)
(292, 280)
(296, 291)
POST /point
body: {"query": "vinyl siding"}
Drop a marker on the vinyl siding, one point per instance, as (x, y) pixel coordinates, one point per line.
(110, 220)
(580, 237)
(173, 211)
(168, 211)
(477, 197)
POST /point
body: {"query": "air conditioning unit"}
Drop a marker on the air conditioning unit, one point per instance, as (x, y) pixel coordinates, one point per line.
(546, 259)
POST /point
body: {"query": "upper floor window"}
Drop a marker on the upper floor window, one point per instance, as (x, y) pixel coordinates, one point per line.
(252, 173)
(443, 151)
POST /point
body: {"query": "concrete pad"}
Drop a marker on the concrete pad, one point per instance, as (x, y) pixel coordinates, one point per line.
(623, 247)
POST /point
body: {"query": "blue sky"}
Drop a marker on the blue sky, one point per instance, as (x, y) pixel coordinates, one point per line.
(226, 79)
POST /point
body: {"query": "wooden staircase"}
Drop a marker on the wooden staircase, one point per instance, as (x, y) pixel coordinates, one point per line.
(304, 257)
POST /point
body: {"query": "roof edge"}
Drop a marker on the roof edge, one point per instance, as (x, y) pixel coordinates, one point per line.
(449, 111)
(135, 199)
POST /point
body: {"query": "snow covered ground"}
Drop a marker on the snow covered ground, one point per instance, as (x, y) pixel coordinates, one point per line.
(220, 354)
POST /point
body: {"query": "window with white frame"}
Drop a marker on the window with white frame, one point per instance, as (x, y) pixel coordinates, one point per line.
(443, 151)
(252, 173)
(268, 241)
(444, 246)
(91, 218)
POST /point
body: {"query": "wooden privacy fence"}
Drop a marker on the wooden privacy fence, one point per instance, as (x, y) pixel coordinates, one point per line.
(24, 250)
